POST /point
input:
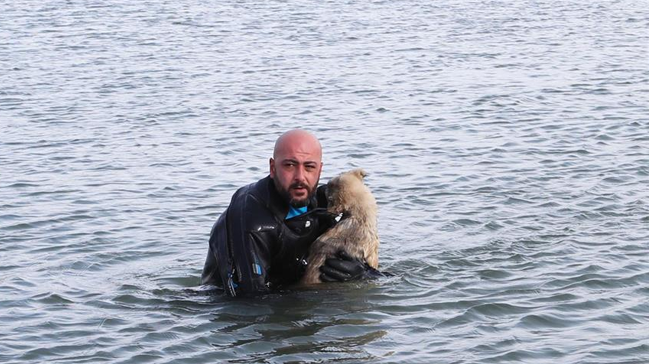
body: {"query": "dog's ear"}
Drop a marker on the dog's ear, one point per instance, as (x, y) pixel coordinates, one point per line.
(360, 173)
(332, 184)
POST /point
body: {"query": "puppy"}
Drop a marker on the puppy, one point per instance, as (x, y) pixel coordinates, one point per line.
(355, 233)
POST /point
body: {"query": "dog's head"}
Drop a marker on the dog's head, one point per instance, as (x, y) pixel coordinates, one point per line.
(347, 193)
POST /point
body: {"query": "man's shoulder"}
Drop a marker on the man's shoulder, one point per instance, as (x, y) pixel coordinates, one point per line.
(258, 190)
(257, 198)
(251, 209)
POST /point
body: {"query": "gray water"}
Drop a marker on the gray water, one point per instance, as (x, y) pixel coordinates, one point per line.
(507, 145)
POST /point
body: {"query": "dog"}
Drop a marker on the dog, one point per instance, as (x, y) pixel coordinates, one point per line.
(356, 232)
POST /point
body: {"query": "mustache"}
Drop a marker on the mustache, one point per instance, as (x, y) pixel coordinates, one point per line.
(298, 185)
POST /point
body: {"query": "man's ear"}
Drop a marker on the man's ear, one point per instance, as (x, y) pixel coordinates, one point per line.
(271, 167)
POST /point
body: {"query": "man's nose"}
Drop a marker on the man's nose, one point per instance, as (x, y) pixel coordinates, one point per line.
(299, 174)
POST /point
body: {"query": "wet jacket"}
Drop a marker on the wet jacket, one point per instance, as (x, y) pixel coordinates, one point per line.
(254, 249)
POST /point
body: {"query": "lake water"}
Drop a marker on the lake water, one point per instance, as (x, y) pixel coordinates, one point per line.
(507, 145)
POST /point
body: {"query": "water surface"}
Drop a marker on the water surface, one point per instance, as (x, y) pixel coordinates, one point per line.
(507, 146)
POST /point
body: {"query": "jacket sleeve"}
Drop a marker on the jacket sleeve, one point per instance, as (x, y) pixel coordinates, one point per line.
(251, 232)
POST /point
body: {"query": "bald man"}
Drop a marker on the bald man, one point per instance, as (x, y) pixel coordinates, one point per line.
(260, 243)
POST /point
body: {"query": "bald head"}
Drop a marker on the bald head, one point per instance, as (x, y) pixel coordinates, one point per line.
(298, 138)
(296, 165)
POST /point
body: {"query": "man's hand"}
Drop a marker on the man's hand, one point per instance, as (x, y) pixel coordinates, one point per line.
(344, 268)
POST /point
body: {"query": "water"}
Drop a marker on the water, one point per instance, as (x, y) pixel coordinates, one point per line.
(507, 145)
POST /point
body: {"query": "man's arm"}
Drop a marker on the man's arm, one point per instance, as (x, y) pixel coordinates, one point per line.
(238, 258)
(250, 231)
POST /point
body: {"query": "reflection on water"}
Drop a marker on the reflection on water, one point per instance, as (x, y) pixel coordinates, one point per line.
(298, 326)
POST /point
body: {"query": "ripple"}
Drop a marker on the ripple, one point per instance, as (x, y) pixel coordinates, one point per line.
(52, 299)
(546, 321)
(500, 309)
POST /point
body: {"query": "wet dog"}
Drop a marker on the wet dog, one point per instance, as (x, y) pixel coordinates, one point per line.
(356, 232)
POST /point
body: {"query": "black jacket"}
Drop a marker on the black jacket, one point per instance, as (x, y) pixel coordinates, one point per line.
(254, 249)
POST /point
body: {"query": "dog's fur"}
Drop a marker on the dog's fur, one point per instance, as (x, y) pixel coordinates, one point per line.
(356, 232)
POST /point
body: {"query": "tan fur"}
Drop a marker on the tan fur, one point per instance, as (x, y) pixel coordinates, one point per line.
(356, 232)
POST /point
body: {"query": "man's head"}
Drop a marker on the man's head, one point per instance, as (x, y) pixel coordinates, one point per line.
(296, 165)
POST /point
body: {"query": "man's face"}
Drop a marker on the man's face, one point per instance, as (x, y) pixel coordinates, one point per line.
(296, 171)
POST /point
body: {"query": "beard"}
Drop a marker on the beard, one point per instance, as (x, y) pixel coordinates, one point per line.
(296, 202)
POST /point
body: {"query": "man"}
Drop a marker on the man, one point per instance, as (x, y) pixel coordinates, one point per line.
(262, 239)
